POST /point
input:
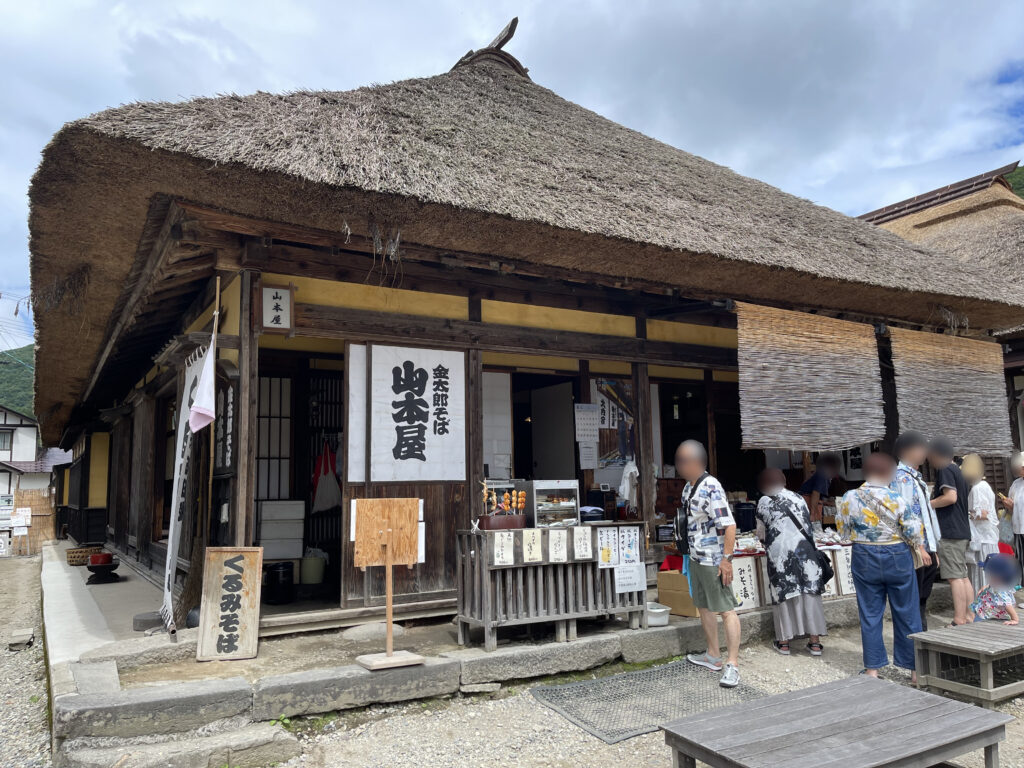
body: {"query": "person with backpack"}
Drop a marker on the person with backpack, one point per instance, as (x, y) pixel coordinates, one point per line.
(795, 575)
(886, 536)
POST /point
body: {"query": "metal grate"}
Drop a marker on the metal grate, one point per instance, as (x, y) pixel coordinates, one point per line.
(632, 703)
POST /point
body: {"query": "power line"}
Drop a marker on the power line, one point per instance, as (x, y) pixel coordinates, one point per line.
(17, 360)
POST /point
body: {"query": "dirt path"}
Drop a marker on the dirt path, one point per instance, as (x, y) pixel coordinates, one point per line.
(24, 730)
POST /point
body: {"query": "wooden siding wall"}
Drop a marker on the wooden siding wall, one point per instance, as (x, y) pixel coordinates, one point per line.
(445, 510)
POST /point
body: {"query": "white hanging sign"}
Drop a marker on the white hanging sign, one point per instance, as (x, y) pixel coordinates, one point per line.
(629, 546)
(533, 546)
(630, 577)
(607, 547)
(417, 414)
(558, 545)
(581, 543)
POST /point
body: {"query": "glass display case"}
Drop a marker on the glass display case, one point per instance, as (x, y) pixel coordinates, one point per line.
(551, 503)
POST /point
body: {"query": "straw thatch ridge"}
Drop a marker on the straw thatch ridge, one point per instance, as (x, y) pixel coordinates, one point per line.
(807, 383)
(479, 159)
(948, 386)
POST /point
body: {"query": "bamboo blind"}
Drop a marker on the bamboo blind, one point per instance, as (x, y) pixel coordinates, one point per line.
(807, 382)
(949, 386)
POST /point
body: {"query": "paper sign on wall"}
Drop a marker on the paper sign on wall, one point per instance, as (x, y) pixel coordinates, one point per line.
(588, 455)
(629, 546)
(533, 545)
(19, 530)
(504, 548)
(417, 414)
(21, 518)
(607, 547)
(587, 423)
(581, 546)
(558, 545)
(630, 578)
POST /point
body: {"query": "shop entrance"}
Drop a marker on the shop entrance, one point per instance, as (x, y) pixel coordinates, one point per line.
(543, 427)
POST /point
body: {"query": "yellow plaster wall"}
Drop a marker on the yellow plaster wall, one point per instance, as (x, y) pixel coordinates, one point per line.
(688, 333)
(543, 362)
(302, 344)
(725, 376)
(99, 465)
(533, 316)
(613, 367)
(359, 296)
(672, 372)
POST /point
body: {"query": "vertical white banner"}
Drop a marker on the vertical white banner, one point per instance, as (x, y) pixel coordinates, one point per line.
(182, 451)
(417, 414)
(356, 370)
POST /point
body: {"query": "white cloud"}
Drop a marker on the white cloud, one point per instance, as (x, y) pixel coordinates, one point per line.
(853, 105)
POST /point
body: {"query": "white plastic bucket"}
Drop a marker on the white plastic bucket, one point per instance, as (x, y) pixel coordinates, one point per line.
(311, 571)
(657, 615)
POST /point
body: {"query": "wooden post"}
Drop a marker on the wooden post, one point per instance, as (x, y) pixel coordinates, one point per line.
(645, 441)
(712, 446)
(389, 592)
(474, 433)
(248, 390)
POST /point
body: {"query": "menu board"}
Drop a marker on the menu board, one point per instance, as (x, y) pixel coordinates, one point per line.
(744, 583)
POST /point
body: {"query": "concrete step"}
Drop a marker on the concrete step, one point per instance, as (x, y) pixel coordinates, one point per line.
(254, 746)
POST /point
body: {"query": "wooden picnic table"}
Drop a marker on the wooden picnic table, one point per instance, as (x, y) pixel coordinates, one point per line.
(856, 722)
(986, 643)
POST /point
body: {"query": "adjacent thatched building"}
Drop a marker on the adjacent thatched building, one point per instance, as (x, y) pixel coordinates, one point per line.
(977, 222)
(545, 254)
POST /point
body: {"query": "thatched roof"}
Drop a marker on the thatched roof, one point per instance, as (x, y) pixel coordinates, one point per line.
(480, 159)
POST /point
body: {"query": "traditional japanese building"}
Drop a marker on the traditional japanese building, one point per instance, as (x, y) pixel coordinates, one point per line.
(418, 283)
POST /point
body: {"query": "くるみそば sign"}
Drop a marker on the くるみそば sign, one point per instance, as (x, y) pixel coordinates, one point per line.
(417, 414)
(229, 613)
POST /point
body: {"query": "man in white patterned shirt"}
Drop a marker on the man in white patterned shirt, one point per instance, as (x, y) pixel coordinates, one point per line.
(710, 532)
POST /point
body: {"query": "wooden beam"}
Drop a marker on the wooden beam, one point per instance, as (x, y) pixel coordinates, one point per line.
(340, 322)
(242, 225)
(142, 287)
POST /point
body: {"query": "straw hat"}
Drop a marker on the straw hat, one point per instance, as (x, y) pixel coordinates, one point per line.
(973, 467)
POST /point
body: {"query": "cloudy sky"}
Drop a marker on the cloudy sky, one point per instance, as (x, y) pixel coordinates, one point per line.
(852, 105)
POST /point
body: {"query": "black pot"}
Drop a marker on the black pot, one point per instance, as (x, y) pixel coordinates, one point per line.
(279, 586)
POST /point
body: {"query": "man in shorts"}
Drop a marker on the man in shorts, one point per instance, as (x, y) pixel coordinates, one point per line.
(949, 500)
(711, 534)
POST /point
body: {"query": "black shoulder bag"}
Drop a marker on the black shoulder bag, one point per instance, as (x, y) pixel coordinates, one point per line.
(824, 559)
(682, 531)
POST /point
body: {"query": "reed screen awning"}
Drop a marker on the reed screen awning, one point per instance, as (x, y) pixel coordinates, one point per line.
(807, 382)
(953, 387)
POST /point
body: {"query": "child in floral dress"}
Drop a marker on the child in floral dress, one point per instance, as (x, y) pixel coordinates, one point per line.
(995, 601)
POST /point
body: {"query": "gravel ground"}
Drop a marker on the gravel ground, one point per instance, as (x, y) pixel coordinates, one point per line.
(513, 729)
(24, 730)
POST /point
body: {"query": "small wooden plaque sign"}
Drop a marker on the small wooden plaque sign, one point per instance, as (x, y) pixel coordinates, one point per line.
(229, 614)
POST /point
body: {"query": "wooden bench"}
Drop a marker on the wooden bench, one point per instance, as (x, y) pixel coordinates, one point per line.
(976, 661)
(851, 723)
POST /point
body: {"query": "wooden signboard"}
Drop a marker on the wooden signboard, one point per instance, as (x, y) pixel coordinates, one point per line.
(229, 614)
(387, 533)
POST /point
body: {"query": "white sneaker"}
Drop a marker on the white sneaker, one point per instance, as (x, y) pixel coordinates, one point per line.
(705, 660)
(731, 676)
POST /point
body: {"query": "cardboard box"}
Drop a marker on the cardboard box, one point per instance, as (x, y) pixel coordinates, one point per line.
(674, 591)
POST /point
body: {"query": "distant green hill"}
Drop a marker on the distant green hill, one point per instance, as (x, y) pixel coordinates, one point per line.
(1016, 180)
(16, 379)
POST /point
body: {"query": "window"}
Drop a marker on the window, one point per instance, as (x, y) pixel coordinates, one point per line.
(6, 439)
(274, 449)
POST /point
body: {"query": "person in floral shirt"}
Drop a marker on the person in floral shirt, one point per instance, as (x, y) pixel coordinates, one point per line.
(996, 601)
(883, 530)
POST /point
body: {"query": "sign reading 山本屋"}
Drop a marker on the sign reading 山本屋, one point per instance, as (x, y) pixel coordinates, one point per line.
(417, 414)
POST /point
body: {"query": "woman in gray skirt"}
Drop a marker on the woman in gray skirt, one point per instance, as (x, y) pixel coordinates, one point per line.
(784, 522)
